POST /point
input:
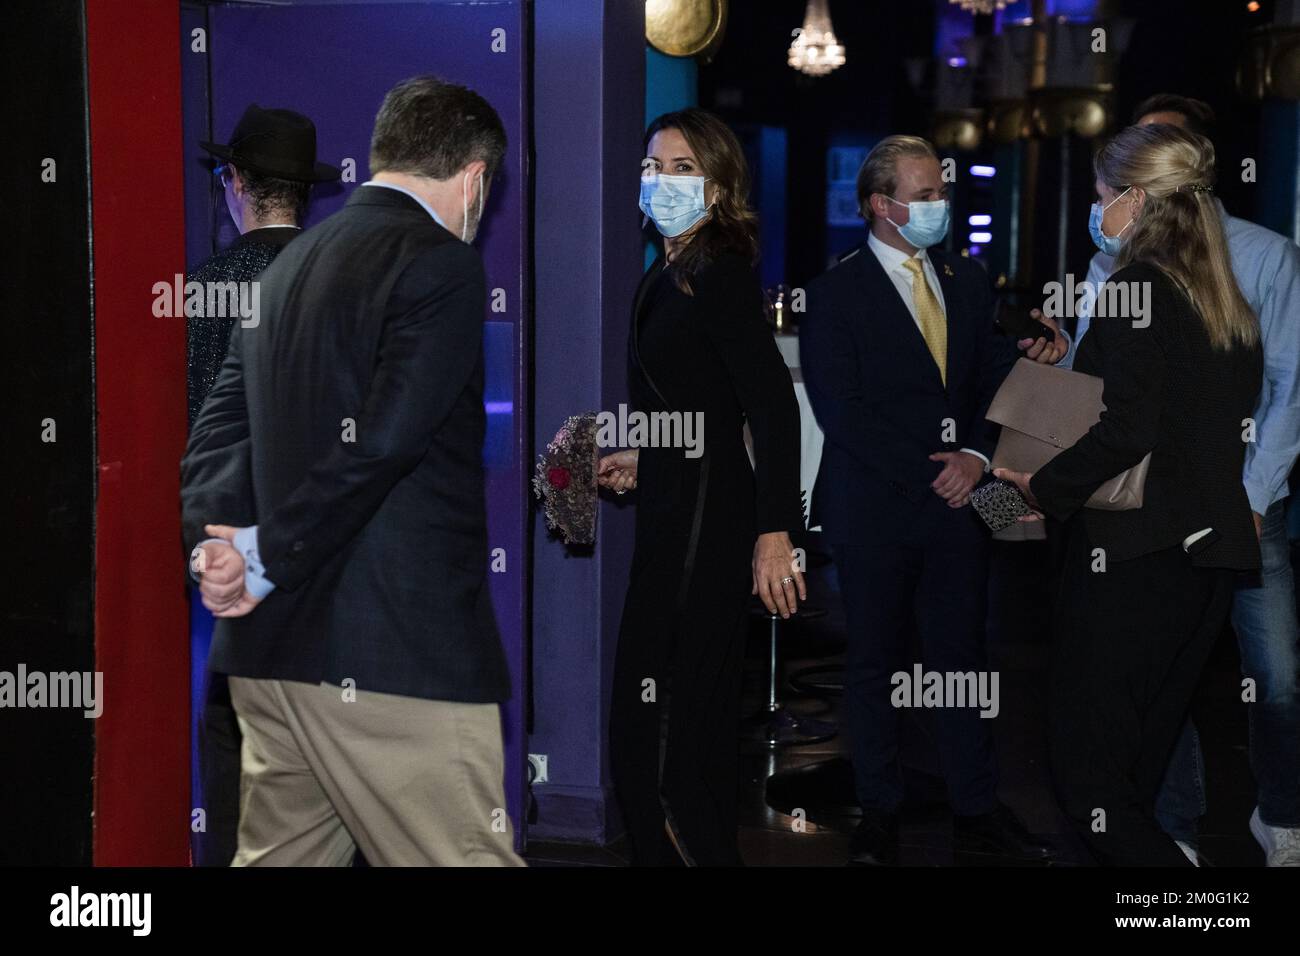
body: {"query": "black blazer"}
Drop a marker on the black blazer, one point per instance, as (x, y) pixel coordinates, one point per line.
(712, 353)
(877, 393)
(1166, 392)
(348, 425)
(207, 338)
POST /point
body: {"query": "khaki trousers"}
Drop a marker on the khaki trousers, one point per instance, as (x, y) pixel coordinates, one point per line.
(412, 782)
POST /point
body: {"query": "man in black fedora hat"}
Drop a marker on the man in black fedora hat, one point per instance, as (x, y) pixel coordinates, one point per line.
(266, 174)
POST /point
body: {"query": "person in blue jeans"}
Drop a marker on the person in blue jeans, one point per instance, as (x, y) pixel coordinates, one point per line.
(1267, 269)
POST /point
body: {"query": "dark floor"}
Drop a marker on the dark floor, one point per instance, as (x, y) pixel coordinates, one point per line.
(815, 778)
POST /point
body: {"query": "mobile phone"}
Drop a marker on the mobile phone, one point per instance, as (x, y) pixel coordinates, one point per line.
(1021, 326)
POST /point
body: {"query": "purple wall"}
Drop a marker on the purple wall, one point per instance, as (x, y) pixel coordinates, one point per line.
(589, 91)
(334, 62)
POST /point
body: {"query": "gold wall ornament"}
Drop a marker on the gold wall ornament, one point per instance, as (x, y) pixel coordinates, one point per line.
(957, 128)
(1008, 121)
(1269, 65)
(1084, 111)
(685, 27)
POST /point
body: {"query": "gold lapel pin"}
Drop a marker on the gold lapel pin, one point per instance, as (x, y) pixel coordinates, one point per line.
(947, 269)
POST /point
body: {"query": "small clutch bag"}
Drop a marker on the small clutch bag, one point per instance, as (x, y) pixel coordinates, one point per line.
(1000, 504)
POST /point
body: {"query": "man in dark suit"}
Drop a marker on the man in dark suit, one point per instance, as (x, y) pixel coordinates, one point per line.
(347, 427)
(901, 360)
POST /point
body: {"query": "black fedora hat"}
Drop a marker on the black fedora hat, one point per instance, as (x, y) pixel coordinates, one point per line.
(278, 143)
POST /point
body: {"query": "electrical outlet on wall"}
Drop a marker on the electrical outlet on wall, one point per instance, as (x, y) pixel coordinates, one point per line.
(538, 764)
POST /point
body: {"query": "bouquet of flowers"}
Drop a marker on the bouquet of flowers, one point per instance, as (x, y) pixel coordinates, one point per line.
(566, 480)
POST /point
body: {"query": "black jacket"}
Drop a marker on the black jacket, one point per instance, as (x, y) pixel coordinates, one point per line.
(878, 396)
(1166, 392)
(711, 354)
(348, 425)
(207, 337)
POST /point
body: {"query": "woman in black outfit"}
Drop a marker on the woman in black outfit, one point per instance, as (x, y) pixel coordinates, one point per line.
(1146, 592)
(710, 530)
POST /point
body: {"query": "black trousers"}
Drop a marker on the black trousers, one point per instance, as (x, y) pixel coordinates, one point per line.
(219, 746)
(1130, 644)
(675, 707)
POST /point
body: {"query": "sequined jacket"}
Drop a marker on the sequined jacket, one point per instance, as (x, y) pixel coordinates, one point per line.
(208, 337)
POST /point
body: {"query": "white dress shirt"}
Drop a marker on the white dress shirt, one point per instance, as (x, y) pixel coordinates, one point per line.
(891, 260)
(402, 189)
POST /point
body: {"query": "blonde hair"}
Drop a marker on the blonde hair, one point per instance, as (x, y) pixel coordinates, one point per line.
(879, 172)
(1180, 229)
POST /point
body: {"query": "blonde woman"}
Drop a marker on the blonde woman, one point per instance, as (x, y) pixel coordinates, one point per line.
(1146, 592)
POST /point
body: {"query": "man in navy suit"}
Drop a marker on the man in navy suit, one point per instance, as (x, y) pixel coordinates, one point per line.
(901, 360)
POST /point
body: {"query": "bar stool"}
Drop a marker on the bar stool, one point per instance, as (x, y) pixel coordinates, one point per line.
(774, 725)
(819, 680)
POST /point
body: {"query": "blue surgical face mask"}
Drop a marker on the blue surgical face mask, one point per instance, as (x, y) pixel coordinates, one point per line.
(1107, 244)
(674, 203)
(927, 222)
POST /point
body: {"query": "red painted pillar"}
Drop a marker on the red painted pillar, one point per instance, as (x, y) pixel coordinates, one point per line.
(142, 799)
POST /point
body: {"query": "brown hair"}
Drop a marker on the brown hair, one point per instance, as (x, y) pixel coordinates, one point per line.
(732, 225)
(1198, 115)
(269, 194)
(1180, 229)
(429, 127)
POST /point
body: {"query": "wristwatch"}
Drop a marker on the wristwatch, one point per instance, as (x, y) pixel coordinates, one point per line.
(198, 560)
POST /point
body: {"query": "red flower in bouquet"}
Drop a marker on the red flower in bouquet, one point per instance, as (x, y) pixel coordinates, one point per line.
(565, 480)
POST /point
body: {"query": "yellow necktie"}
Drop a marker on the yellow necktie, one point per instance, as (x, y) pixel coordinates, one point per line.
(929, 315)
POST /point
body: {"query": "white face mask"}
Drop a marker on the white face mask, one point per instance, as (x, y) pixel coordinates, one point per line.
(465, 234)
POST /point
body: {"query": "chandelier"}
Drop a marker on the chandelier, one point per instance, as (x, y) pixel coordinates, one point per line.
(815, 50)
(980, 6)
